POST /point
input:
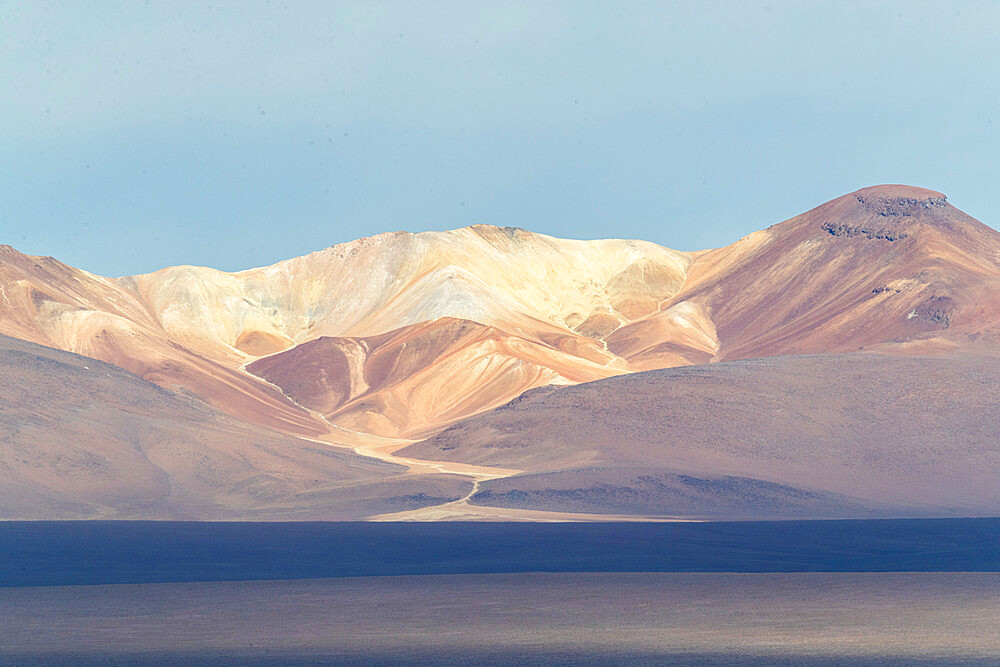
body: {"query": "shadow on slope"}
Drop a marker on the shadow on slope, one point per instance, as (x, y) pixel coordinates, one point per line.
(648, 491)
(80, 438)
(921, 433)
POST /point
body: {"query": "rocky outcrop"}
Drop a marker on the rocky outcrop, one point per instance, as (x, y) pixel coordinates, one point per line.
(899, 206)
(840, 229)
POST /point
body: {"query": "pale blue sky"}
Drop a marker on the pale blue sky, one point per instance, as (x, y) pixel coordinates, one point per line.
(138, 135)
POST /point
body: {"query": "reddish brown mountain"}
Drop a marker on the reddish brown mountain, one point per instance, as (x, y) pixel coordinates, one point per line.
(415, 380)
(892, 267)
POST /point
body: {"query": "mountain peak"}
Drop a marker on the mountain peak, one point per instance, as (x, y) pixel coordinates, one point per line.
(899, 200)
(882, 212)
(898, 192)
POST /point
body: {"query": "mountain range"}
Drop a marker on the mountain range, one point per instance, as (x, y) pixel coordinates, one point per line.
(840, 363)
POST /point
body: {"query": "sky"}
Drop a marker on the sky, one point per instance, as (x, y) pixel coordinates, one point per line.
(136, 135)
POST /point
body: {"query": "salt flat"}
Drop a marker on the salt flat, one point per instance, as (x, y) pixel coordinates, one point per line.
(595, 618)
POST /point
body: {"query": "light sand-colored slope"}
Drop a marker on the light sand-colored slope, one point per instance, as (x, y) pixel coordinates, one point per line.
(538, 302)
(385, 312)
(509, 278)
(83, 439)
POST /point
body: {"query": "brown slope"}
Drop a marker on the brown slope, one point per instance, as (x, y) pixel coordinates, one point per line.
(47, 302)
(417, 379)
(923, 433)
(883, 266)
(41, 299)
(83, 439)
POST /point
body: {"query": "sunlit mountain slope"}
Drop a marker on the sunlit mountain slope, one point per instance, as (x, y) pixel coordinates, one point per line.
(385, 340)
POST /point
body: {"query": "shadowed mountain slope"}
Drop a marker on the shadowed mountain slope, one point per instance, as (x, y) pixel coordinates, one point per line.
(658, 492)
(923, 433)
(83, 439)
